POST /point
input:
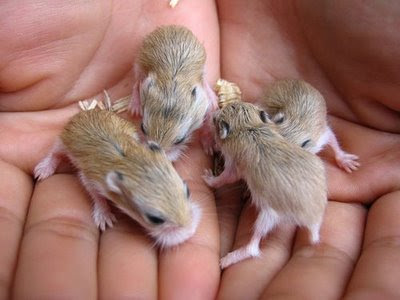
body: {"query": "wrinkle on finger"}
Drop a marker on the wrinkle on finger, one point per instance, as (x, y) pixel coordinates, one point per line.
(190, 270)
(246, 279)
(127, 263)
(377, 273)
(59, 247)
(322, 271)
(15, 192)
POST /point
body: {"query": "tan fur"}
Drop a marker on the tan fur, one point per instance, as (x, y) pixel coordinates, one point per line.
(280, 175)
(303, 108)
(99, 142)
(174, 60)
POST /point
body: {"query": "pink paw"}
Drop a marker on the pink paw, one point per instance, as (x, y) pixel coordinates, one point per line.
(103, 219)
(134, 108)
(44, 169)
(348, 162)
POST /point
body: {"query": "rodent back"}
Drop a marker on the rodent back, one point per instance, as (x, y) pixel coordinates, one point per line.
(291, 180)
(285, 175)
(298, 109)
(173, 52)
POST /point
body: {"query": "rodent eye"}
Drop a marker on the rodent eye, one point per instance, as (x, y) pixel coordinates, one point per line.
(155, 220)
(263, 116)
(279, 118)
(194, 92)
(143, 130)
(187, 191)
(305, 143)
(180, 141)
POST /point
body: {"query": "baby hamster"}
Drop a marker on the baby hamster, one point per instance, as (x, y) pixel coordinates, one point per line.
(137, 178)
(287, 183)
(171, 92)
(300, 112)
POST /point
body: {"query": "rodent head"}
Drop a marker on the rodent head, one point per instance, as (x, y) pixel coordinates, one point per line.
(237, 116)
(297, 132)
(150, 191)
(172, 110)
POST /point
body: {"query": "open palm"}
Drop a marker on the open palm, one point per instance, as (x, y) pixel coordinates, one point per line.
(54, 54)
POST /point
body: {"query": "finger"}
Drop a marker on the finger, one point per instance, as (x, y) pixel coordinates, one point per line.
(377, 274)
(379, 161)
(246, 279)
(127, 263)
(15, 193)
(322, 271)
(191, 270)
(58, 252)
(229, 205)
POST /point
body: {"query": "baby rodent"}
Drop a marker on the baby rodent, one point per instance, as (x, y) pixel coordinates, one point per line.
(171, 92)
(137, 178)
(287, 183)
(300, 112)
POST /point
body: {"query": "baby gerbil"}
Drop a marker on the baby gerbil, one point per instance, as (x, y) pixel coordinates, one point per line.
(137, 178)
(300, 112)
(287, 183)
(171, 92)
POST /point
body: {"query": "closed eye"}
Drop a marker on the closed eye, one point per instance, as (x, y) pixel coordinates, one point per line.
(180, 141)
(155, 220)
(305, 143)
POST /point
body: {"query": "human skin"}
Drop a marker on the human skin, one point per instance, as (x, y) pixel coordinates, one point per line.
(53, 54)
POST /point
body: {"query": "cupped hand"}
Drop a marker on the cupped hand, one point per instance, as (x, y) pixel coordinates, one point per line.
(350, 51)
(53, 54)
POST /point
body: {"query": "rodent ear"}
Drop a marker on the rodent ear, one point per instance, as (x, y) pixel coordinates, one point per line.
(278, 118)
(148, 81)
(264, 116)
(114, 181)
(223, 129)
(153, 146)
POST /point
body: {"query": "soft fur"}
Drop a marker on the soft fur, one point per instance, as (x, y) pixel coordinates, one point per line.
(114, 165)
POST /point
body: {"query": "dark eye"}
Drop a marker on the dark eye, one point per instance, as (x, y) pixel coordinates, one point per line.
(187, 191)
(279, 121)
(194, 92)
(263, 116)
(142, 127)
(180, 141)
(155, 220)
(305, 143)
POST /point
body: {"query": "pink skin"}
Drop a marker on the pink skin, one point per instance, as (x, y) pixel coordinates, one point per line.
(134, 105)
(345, 160)
(102, 214)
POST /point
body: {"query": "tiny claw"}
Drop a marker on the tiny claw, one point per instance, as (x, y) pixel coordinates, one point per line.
(102, 220)
(348, 162)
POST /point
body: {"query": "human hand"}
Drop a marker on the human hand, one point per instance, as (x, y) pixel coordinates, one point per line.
(54, 54)
(350, 52)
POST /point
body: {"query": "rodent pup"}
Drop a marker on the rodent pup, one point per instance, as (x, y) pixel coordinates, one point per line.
(171, 92)
(300, 112)
(138, 179)
(287, 183)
